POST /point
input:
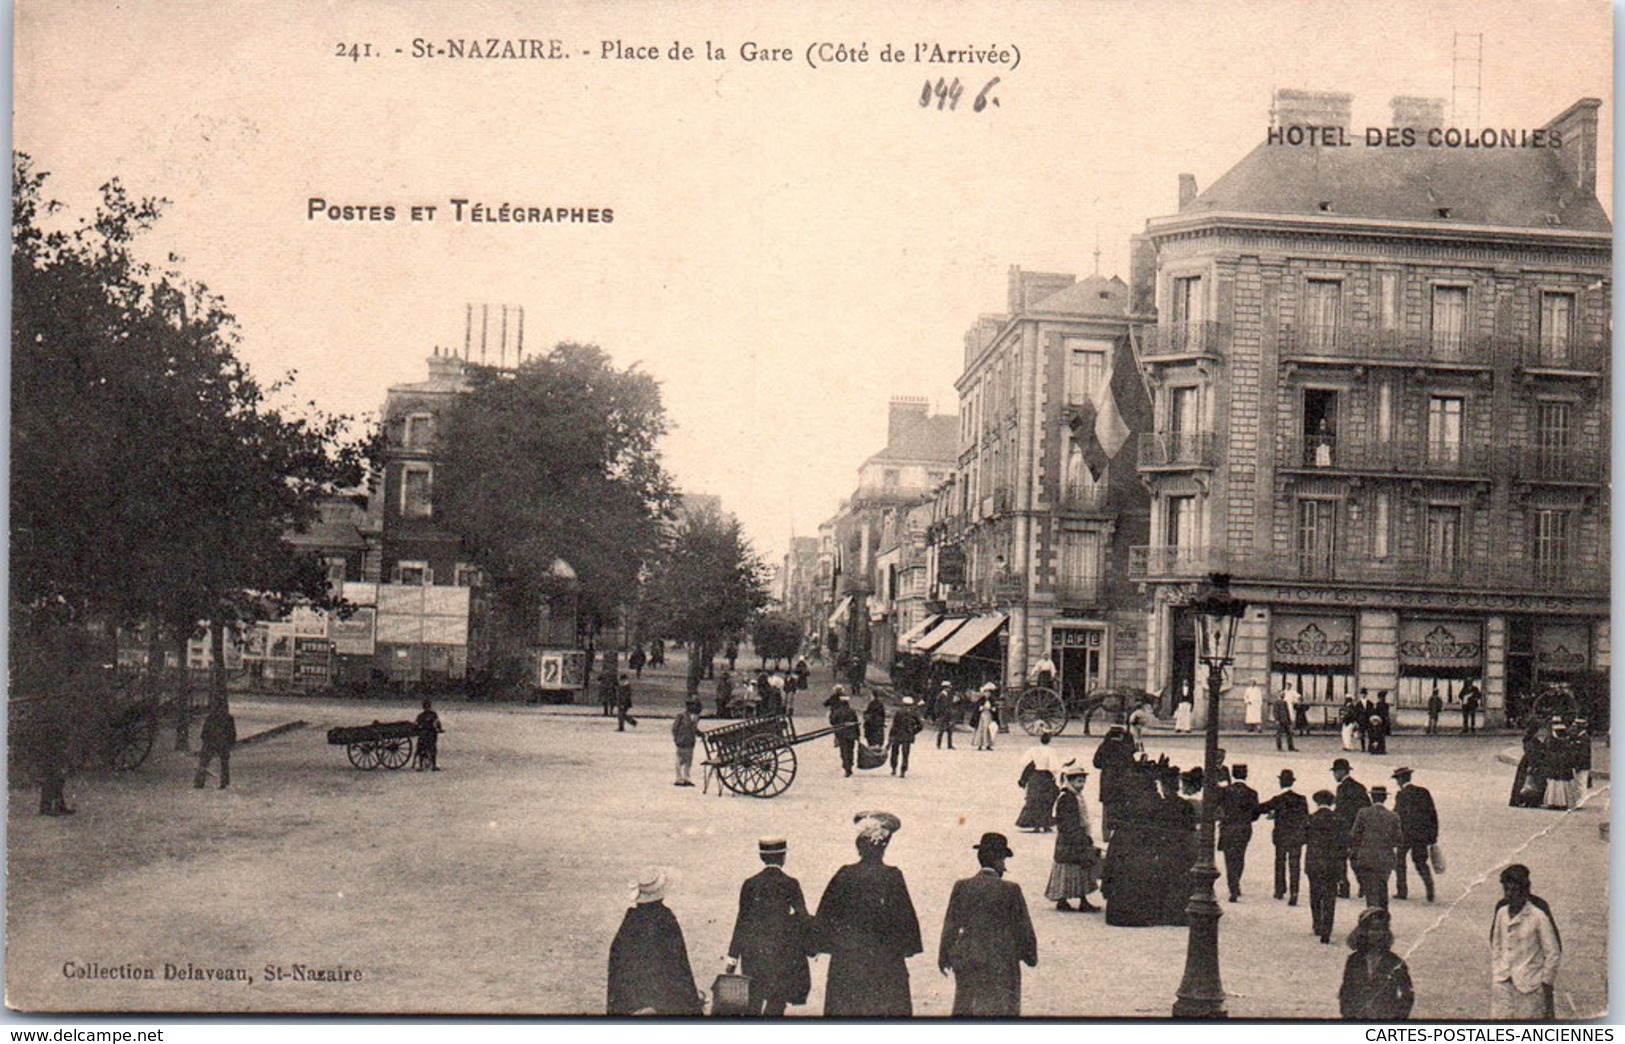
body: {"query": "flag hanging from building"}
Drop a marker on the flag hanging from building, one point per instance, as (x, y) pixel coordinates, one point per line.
(1099, 430)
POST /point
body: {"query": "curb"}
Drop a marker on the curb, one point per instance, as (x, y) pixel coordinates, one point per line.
(275, 730)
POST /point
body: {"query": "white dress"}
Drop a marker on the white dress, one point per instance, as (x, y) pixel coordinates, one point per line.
(1255, 705)
(1182, 717)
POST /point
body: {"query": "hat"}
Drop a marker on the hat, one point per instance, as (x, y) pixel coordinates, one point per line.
(947, 685)
(1072, 769)
(1238, 770)
(772, 846)
(1325, 797)
(838, 690)
(650, 886)
(1287, 778)
(989, 687)
(994, 844)
(877, 827)
(908, 701)
(1378, 791)
(1403, 772)
(1341, 763)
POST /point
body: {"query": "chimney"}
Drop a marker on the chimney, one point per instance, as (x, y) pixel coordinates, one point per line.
(1029, 288)
(1187, 190)
(906, 415)
(1577, 154)
(1417, 113)
(979, 336)
(1294, 108)
(1142, 275)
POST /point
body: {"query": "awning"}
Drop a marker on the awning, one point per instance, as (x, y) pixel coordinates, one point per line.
(977, 630)
(917, 631)
(936, 635)
(838, 617)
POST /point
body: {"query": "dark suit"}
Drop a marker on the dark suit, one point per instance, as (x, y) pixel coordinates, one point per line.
(845, 720)
(1351, 797)
(1419, 823)
(1238, 807)
(986, 937)
(1372, 845)
(1325, 863)
(1290, 811)
(771, 937)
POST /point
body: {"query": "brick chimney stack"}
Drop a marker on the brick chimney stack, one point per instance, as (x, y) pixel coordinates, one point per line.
(907, 414)
(1187, 190)
(1295, 108)
(1578, 154)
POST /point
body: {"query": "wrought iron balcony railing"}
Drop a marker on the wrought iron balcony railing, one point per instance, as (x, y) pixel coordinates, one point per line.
(1573, 464)
(1082, 499)
(1177, 339)
(1348, 453)
(1556, 355)
(1522, 575)
(1079, 591)
(1178, 449)
(1343, 341)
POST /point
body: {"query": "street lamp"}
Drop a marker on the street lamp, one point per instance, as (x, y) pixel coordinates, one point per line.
(1201, 995)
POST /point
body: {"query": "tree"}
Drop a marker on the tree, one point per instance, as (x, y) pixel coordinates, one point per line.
(151, 481)
(776, 637)
(557, 459)
(704, 584)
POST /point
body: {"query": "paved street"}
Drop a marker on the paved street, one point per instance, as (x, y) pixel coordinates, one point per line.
(496, 885)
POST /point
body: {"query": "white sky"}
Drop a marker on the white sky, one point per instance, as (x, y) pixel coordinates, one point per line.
(791, 247)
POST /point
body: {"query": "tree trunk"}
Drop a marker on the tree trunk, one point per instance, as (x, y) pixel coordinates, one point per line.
(217, 667)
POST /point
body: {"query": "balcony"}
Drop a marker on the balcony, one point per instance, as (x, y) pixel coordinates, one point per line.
(1193, 563)
(1082, 500)
(1078, 591)
(1386, 457)
(1561, 465)
(1362, 344)
(1177, 450)
(1186, 340)
(1562, 360)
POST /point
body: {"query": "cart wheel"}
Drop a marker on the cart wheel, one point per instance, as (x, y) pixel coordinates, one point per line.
(363, 755)
(394, 754)
(768, 769)
(1041, 709)
(132, 745)
(728, 774)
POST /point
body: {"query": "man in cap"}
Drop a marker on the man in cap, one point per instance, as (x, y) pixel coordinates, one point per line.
(905, 725)
(944, 709)
(1351, 797)
(1419, 824)
(1376, 837)
(867, 925)
(1238, 807)
(1525, 951)
(987, 936)
(773, 933)
(845, 722)
(1291, 814)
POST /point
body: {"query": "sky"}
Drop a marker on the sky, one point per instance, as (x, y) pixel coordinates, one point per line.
(791, 246)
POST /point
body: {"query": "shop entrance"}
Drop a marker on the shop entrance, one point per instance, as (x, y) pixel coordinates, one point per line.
(1079, 655)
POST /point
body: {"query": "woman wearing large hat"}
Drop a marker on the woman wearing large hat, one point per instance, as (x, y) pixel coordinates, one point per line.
(1076, 872)
(867, 925)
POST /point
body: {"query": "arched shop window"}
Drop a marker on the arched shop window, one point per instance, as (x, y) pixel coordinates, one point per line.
(1438, 654)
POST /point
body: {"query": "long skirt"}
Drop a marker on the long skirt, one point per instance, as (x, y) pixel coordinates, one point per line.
(1351, 736)
(983, 740)
(1038, 811)
(1182, 718)
(1071, 881)
(1562, 793)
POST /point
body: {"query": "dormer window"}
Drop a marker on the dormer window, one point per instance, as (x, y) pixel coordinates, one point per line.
(417, 430)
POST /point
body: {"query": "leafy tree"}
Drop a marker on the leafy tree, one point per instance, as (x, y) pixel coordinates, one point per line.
(557, 459)
(776, 637)
(151, 482)
(704, 584)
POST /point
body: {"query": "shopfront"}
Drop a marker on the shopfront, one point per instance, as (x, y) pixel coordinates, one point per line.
(1313, 654)
(1438, 654)
(1079, 653)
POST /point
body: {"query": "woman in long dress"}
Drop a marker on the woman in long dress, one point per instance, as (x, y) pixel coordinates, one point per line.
(1038, 779)
(1254, 698)
(649, 973)
(1076, 873)
(1182, 716)
(867, 925)
(986, 721)
(1562, 790)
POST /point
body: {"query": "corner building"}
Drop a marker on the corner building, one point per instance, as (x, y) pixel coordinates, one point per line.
(1381, 379)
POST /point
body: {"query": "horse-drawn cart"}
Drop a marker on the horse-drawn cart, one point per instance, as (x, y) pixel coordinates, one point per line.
(756, 757)
(1041, 709)
(383, 743)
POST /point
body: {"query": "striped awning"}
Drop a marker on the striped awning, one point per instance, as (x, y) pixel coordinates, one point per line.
(977, 630)
(937, 635)
(838, 617)
(918, 630)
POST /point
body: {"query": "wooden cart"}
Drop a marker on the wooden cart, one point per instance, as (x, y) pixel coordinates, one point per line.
(756, 757)
(383, 743)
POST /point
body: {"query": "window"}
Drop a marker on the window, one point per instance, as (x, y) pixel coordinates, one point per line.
(1188, 305)
(414, 574)
(1449, 321)
(1080, 490)
(1085, 370)
(466, 575)
(1381, 521)
(1320, 414)
(1322, 312)
(1551, 543)
(1552, 436)
(418, 430)
(1382, 423)
(1181, 519)
(1080, 562)
(1317, 537)
(415, 491)
(1184, 410)
(1444, 429)
(1556, 326)
(1443, 539)
(1388, 300)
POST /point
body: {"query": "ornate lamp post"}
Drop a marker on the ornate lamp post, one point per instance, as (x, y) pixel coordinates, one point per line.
(1201, 995)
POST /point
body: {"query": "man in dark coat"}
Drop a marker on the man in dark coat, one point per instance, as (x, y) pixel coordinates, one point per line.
(905, 725)
(874, 721)
(623, 704)
(845, 721)
(1375, 839)
(1132, 876)
(867, 925)
(649, 973)
(1291, 814)
(1362, 715)
(1351, 797)
(987, 936)
(1325, 863)
(219, 736)
(773, 933)
(1419, 823)
(1281, 712)
(1115, 760)
(1238, 807)
(429, 730)
(1472, 698)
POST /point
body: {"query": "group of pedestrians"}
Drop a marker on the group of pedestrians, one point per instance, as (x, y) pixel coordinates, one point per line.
(865, 921)
(1555, 769)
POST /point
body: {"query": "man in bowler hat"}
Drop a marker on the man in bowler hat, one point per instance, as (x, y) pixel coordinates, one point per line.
(773, 933)
(1291, 814)
(1419, 823)
(987, 936)
(1351, 797)
(1376, 837)
(1238, 807)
